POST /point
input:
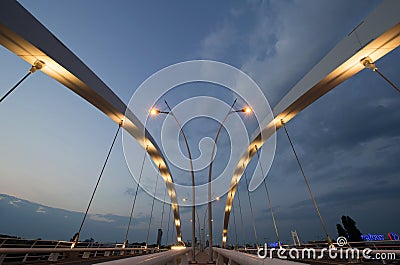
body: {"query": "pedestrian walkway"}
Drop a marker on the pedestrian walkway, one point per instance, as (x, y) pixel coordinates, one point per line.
(202, 257)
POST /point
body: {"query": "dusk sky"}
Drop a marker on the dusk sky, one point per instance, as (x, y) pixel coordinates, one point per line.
(53, 142)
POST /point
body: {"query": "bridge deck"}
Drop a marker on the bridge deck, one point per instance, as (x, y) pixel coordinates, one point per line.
(202, 257)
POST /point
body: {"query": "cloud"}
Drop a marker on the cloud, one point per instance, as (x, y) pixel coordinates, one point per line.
(215, 43)
(40, 210)
(277, 42)
(101, 218)
(14, 203)
(130, 191)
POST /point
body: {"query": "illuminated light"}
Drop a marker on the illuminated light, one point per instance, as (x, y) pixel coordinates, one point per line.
(217, 198)
(154, 112)
(184, 199)
(224, 239)
(247, 110)
(393, 236)
(177, 222)
(178, 247)
(275, 244)
(371, 237)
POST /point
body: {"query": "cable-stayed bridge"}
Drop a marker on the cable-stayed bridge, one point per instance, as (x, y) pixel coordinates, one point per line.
(377, 35)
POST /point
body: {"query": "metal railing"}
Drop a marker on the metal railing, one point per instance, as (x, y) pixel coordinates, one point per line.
(234, 257)
(164, 258)
(388, 250)
(15, 250)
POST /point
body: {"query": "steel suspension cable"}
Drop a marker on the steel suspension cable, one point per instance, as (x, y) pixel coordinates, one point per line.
(241, 216)
(234, 223)
(387, 80)
(268, 198)
(169, 221)
(308, 185)
(173, 229)
(95, 188)
(251, 206)
(135, 196)
(15, 86)
(162, 214)
(368, 63)
(152, 207)
(229, 239)
(36, 66)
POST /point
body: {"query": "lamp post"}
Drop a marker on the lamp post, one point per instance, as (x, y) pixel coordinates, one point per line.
(154, 112)
(204, 229)
(246, 110)
(199, 228)
(198, 225)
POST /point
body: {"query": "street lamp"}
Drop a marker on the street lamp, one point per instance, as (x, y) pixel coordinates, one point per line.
(203, 230)
(154, 111)
(246, 110)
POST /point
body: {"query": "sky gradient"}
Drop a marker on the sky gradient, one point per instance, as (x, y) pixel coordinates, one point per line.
(53, 142)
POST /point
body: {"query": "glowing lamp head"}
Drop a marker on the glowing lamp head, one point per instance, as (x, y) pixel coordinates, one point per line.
(177, 247)
(154, 112)
(247, 110)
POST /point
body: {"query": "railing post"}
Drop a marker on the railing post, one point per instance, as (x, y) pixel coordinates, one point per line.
(95, 253)
(2, 257)
(53, 256)
(220, 260)
(231, 262)
(27, 254)
(86, 255)
(184, 259)
(172, 262)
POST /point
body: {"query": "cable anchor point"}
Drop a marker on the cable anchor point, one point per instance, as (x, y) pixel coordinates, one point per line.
(37, 65)
(368, 63)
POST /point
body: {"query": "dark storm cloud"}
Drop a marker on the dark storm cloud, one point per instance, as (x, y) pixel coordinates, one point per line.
(348, 143)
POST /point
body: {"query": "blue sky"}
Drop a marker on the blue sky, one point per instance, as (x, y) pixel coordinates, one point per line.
(53, 143)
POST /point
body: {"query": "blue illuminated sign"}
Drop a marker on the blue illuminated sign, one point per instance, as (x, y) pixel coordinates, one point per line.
(393, 236)
(274, 244)
(371, 237)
